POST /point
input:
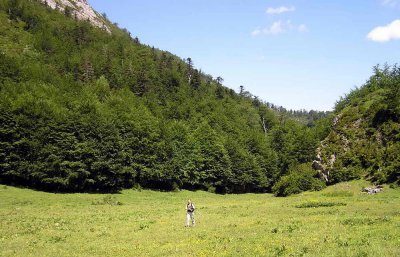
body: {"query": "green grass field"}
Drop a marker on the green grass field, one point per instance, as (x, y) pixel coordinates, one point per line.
(339, 221)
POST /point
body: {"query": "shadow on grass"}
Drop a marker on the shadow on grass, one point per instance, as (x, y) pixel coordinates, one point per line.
(315, 204)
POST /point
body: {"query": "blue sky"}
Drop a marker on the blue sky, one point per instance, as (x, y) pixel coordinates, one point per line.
(301, 54)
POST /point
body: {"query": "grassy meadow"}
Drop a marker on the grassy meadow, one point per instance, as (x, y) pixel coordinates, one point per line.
(338, 221)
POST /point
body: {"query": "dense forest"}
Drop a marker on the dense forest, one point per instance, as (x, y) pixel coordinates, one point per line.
(82, 109)
(86, 110)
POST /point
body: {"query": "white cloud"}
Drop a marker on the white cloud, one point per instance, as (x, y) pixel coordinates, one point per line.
(385, 33)
(275, 28)
(279, 27)
(281, 9)
(256, 32)
(391, 3)
(302, 28)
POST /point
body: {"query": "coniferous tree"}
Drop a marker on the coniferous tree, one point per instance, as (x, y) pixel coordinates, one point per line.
(87, 71)
(219, 80)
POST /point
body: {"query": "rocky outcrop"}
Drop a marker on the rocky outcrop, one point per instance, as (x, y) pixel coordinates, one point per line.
(323, 169)
(79, 9)
(371, 190)
(363, 141)
(345, 136)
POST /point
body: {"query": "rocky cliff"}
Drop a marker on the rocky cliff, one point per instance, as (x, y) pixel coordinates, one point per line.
(80, 9)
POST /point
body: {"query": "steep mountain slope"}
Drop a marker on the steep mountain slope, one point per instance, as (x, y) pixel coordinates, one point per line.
(82, 109)
(79, 9)
(365, 137)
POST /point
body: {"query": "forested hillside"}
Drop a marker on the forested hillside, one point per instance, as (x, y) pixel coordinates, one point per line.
(365, 138)
(82, 109)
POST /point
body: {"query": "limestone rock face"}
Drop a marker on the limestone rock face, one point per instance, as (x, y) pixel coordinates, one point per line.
(323, 168)
(324, 160)
(81, 9)
(346, 138)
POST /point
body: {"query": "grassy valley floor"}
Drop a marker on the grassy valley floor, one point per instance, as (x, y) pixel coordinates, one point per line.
(338, 221)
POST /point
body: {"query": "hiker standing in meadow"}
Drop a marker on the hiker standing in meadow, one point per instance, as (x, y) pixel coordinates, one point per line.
(190, 213)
